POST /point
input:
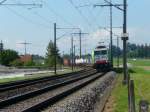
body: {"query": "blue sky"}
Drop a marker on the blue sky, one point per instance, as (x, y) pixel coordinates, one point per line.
(35, 25)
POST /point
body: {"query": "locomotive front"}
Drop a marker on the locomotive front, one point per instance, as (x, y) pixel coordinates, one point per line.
(100, 58)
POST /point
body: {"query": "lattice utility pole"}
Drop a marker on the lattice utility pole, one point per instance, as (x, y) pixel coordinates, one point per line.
(125, 37)
(55, 42)
(118, 52)
(74, 47)
(2, 3)
(55, 61)
(72, 56)
(80, 40)
(25, 46)
(109, 4)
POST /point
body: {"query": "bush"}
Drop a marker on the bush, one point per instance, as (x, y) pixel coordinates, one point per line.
(29, 63)
(7, 56)
(16, 62)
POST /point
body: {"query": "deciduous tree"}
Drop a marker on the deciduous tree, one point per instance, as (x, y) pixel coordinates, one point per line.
(50, 55)
(7, 56)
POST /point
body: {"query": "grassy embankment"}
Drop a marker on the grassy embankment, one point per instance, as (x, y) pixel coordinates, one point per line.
(141, 76)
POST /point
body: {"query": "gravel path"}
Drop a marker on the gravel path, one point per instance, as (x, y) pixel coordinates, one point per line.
(86, 99)
(35, 100)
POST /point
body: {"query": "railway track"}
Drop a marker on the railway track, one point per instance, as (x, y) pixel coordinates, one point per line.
(11, 90)
(17, 84)
(50, 93)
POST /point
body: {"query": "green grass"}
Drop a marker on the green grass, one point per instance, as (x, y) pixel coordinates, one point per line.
(120, 96)
(140, 62)
(115, 61)
(27, 77)
(137, 62)
(141, 79)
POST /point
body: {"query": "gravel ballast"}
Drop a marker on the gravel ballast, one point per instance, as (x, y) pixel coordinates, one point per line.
(91, 98)
(20, 106)
(10, 93)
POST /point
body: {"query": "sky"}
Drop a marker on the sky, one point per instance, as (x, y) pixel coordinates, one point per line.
(34, 24)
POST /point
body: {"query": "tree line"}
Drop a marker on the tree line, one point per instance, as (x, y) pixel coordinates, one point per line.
(10, 57)
(138, 51)
(133, 50)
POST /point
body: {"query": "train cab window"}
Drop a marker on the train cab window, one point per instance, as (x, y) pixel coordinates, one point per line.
(103, 52)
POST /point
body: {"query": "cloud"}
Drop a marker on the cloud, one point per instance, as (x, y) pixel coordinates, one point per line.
(136, 35)
(89, 42)
(96, 37)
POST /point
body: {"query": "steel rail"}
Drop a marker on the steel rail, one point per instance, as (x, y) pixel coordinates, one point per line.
(19, 84)
(21, 97)
(42, 105)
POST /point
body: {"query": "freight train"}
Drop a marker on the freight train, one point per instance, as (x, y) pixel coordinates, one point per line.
(100, 58)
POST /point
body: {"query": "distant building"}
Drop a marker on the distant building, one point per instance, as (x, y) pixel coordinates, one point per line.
(66, 62)
(26, 58)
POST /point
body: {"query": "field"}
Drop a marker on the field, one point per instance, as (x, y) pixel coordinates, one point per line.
(141, 76)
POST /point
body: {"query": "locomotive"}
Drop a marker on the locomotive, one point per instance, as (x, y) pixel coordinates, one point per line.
(100, 58)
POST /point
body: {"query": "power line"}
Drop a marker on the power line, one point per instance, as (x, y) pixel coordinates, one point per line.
(2, 1)
(80, 39)
(65, 34)
(124, 38)
(25, 46)
(18, 14)
(57, 14)
(19, 4)
(114, 5)
(94, 18)
(26, 19)
(86, 5)
(38, 15)
(66, 28)
(92, 15)
(55, 42)
(104, 28)
(42, 17)
(109, 4)
(81, 14)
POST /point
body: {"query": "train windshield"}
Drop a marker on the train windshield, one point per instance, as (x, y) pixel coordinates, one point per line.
(103, 52)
